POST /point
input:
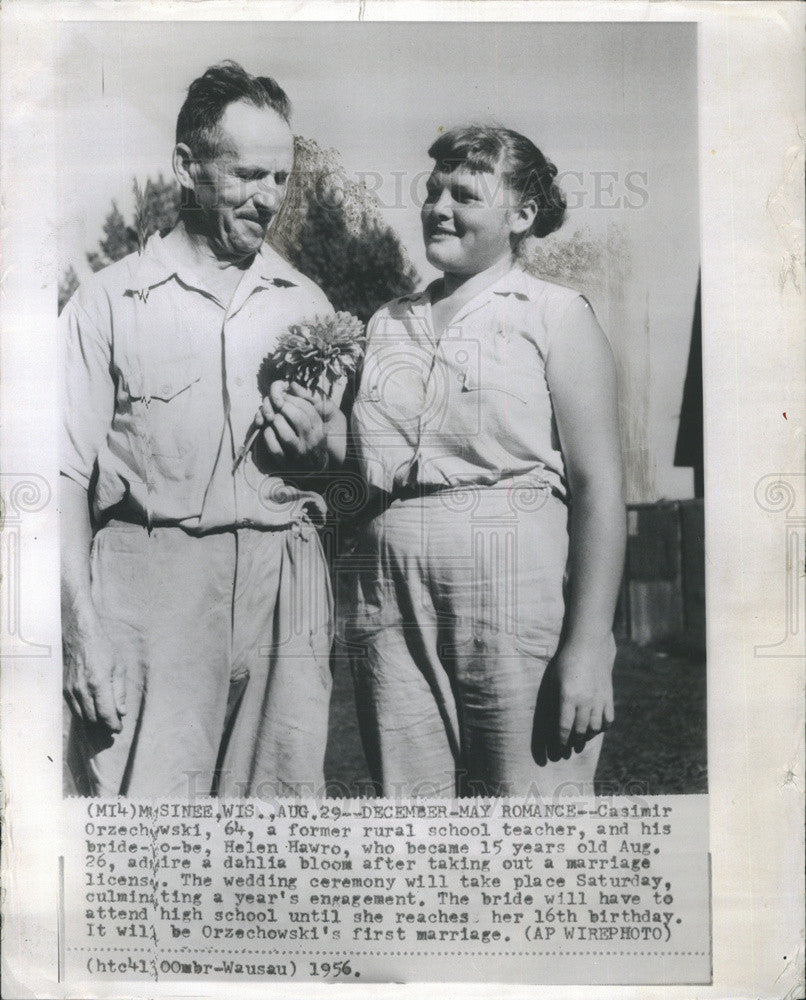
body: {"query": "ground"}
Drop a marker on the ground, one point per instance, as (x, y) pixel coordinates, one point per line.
(657, 747)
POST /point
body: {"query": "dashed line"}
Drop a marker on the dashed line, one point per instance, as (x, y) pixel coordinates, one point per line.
(350, 954)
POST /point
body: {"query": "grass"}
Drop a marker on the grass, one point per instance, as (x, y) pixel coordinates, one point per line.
(657, 747)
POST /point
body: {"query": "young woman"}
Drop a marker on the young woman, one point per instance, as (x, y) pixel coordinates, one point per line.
(486, 422)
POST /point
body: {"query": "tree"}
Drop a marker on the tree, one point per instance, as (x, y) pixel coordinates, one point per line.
(156, 207)
(358, 272)
(329, 227)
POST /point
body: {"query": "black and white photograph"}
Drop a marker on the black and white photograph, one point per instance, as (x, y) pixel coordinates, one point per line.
(402, 499)
(467, 373)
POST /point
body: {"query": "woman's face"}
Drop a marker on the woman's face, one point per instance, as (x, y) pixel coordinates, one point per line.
(468, 219)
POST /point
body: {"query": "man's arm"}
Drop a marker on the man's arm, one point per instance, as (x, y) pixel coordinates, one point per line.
(94, 682)
(90, 676)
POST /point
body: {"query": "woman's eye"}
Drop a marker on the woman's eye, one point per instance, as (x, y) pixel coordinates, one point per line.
(463, 197)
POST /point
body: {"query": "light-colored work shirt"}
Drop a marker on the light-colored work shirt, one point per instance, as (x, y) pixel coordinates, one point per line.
(471, 407)
(162, 389)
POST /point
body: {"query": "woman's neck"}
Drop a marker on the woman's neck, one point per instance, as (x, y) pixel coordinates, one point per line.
(453, 293)
(464, 286)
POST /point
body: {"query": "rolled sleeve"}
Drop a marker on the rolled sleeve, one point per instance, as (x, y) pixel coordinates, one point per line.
(89, 392)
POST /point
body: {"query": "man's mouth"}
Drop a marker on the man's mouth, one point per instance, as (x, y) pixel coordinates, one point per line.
(260, 221)
(439, 231)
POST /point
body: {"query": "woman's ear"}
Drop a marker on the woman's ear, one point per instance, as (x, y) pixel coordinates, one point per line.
(183, 165)
(522, 218)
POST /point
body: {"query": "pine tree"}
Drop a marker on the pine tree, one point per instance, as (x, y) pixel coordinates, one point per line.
(155, 209)
(329, 227)
(115, 243)
(357, 271)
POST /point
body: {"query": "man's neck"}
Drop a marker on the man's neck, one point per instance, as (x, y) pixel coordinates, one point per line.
(192, 249)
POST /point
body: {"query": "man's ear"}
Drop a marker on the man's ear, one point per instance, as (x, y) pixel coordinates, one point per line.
(522, 218)
(183, 164)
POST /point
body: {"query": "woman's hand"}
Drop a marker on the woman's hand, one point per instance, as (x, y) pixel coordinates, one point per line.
(301, 427)
(584, 675)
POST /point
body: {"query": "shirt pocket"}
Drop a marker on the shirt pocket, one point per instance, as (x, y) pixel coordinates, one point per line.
(505, 370)
(168, 416)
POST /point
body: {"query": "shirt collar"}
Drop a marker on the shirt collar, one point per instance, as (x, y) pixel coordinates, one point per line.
(417, 298)
(154, 266)
(514, 282)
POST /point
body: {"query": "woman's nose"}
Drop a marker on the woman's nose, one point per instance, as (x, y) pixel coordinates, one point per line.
(442, 206)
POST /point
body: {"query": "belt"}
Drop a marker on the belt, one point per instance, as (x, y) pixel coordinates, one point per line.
(382, 501)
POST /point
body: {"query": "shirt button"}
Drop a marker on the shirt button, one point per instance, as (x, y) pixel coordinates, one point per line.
(238, 380)
(165, 389)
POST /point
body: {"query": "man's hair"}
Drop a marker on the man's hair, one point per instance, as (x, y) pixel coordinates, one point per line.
(198, 124)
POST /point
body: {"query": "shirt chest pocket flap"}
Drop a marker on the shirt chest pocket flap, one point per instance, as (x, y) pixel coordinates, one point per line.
(504, 369)
(164, 399)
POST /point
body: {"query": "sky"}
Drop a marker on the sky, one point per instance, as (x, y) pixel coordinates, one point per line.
(613, 105)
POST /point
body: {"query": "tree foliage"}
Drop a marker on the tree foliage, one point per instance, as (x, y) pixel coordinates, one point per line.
(329, 227)
(357, 271)
(155, 209)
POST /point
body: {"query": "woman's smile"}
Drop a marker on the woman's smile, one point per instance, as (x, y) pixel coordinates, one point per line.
(466, 221)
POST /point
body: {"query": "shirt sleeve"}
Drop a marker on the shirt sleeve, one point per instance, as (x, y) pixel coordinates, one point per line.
(570, 318)
(89, 391)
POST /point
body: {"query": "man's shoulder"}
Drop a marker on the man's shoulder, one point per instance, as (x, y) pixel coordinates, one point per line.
(106, 284)
(284, 274)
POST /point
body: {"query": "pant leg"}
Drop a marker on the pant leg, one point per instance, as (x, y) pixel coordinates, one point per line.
(282, 635)
(404, 697)
(504, 627)
(164, 600)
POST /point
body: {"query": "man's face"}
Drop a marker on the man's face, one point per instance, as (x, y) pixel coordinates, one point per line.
(241, 190)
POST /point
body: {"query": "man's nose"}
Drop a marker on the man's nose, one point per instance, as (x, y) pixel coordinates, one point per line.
(268, 195)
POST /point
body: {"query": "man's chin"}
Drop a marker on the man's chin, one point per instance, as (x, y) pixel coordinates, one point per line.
(243, 249)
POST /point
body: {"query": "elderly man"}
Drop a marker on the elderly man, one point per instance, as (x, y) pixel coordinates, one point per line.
(197, 612)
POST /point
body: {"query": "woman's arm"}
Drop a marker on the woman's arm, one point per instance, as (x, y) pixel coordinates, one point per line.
(582, 380)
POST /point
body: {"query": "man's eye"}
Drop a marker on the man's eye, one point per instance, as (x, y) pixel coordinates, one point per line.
(280, 177)
(431, 194)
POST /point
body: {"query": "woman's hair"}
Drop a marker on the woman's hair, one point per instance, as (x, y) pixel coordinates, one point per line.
(198, 124)
(483, 148)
